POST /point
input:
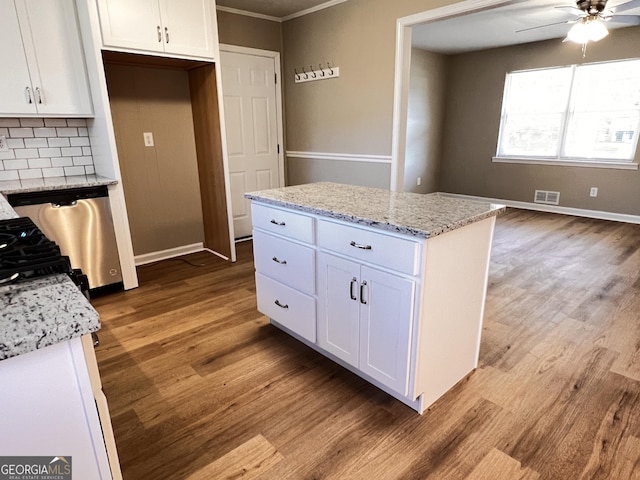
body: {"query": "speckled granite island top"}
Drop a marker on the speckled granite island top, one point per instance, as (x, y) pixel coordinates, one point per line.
(41, 312)
(409, 213)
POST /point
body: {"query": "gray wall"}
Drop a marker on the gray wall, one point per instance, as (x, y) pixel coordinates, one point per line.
(474, 99)
(352, 114)
(425, 120)
(249, 32)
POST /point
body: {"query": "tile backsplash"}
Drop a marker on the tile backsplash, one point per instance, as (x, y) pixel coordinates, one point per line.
(45, 147)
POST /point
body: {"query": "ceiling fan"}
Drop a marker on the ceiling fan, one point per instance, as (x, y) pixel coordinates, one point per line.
(591, 17)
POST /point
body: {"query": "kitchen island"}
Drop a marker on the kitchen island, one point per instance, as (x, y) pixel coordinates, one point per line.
(389, 285)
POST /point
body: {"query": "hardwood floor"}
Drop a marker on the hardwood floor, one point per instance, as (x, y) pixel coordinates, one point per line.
(200, 386)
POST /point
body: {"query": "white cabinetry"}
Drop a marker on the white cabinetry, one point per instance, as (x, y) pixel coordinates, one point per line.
(43, 60)
(171, 27)
(401, 311)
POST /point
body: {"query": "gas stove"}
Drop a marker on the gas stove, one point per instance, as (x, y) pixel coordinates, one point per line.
(26, 253)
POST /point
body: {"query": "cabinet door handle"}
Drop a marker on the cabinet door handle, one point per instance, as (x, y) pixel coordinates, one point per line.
(38, 96)
(159, 34)
(277, 302)
(166, 34)
(362, 293)
(275, 222)
(281, 262)
(354, 280)
(363, 247)
(27, 94)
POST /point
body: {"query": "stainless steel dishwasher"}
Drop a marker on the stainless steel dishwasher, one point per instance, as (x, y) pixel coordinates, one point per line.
(79, 221)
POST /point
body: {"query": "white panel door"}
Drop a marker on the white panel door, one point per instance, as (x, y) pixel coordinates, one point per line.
(249, 90)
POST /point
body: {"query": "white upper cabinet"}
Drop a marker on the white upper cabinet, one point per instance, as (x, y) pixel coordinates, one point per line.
(43, 60)
(179, 28)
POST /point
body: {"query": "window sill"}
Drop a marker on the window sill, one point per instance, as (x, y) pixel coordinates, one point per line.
(568, 163)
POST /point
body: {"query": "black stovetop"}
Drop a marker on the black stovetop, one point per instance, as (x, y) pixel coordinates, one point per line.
(26, 253)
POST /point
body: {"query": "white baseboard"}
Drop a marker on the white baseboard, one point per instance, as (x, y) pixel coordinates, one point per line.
(578, 212)
(170, 253)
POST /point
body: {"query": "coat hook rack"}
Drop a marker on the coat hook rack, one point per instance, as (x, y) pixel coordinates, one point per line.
(316, 74)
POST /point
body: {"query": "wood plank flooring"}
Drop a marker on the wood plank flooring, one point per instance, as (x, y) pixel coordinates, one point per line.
(200, 386)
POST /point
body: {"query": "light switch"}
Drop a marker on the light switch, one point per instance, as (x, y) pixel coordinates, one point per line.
(148, 139)
(3, 144)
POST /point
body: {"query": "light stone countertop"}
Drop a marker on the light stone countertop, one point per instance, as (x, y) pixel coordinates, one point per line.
(53, 183)
(41, 312)
(414, 214)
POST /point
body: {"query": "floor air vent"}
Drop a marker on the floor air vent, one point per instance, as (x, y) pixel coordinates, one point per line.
(544, 196)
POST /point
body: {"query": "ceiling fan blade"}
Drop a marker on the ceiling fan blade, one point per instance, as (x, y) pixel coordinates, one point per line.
(623, 7)
(626, 19)
(572, 10)
(547, 25)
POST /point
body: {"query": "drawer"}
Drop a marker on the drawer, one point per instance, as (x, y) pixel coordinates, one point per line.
(290, 308)
(283, 222)
(376, 248)
(290, 263)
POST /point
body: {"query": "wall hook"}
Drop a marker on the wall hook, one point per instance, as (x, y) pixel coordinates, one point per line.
(295, 70)
(313, 73)
(305, 73)
(330, 69)
(322, 74)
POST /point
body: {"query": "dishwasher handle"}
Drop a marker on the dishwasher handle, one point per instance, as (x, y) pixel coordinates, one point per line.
(64, 203)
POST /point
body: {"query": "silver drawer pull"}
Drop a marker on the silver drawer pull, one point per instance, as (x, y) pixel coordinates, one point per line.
(38, 95)
(363, 247)
(166, 34)
(27, 94)
(354, 280)
(275, 222)
(362, 297)
(277, 302)
(281, 262)
(159, 34)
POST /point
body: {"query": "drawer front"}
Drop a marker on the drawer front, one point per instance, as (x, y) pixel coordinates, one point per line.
(290, 263)
(283, 222)
(376, 248)
(287, 306)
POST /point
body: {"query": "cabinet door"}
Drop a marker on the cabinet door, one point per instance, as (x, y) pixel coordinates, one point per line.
(55, 56)
(187, 27)
(386, 319)
(338, 307)
(134, 24)
(15, 79)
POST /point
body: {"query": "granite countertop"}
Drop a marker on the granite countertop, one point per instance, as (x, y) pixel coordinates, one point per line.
(414, 214)
(53, 183)
(41, 312)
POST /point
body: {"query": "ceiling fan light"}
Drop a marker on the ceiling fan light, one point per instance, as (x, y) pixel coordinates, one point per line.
(587, 31)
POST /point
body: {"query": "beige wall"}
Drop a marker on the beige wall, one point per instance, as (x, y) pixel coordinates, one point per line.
(249, 31)
(425, 120)
(161, 182)
(474, 101)
(352, 114)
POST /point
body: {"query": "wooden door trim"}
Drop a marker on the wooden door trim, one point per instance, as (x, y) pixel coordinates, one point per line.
(256, 52)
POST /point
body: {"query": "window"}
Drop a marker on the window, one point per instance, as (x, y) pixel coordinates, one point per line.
(580, 113)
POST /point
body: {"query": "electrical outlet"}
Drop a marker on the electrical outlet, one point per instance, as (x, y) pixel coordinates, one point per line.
(593, 192)
(148, 139)
(3, 144)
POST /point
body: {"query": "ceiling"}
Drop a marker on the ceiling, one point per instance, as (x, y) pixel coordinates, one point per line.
(477, 31)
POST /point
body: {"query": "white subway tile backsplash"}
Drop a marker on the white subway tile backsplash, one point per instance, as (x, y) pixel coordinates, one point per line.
(30, 173)
(49, 152)
(62, 162)
(39, 163)
(71, 151)
(26, 153)
(31, 122)
(67, 132)
(9, 122)
(9, 175)
(44, 132)
(35, 142)
(42, 148)
(20, 132)
(72, 171)
(54, 172)
(15, 164)
(62, 142)
(55, 122)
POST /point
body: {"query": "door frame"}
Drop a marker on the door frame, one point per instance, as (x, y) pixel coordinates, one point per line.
(256, 52)
(402, 71)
